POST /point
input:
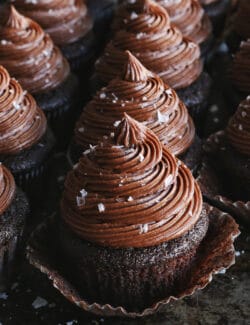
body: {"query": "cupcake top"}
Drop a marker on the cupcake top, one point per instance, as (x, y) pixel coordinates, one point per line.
(240, 73)
(147, 33)
(130, 191)
(146, 98)
(242, 20)
(22, 123)
(208, 2)
(65, 20)
(189, 17)
(238, 129)
(30, 55)
(7, 189)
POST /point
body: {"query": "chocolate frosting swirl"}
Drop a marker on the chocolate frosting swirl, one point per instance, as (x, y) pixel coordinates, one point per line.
(7, 189)
(66, 21)
(240, 73)
(146, 98)
(190, 18)
(241, 20)
(130, 191)
(146, 31)
(30, 55)
(22, 123)
(238, 129)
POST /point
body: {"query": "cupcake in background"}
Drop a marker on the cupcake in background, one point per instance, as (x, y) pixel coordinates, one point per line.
(149, 35)
(30, 56)
(132, 219)
(14, 208)
(192, 21)
(217, 11)
(146, 98)
(233, 153)
(239, 25)
(25, 140)
(69, 25)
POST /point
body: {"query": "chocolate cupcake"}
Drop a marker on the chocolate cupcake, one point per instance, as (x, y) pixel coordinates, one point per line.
(26, 142)
(217, 11)
(192, 21)
(70, 27)
(239, 29)
(237, 81)
(30, 56)
(14, 209)
(144, 96)
(132, 219)
(148, 34)
(233, 154)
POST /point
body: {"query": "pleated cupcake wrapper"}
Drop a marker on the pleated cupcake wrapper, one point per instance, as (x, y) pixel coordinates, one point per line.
(239, 209)
(25, 179)
(216, 253)
(7, 256)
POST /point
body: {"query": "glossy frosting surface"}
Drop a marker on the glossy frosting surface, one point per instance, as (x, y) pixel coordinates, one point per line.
(129, 191)
(7, 189)
(146, 31)
(146, 98)
(22, 123)
(29, 54)
(238, 129)
(66, 21)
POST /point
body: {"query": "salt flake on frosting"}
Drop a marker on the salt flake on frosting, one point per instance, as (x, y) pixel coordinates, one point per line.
(101, 207)
(143, 229)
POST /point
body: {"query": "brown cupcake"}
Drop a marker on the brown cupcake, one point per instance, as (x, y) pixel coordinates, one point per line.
(145, 97)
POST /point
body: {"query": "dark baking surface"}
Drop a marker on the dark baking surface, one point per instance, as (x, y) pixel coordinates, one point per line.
(32, 299)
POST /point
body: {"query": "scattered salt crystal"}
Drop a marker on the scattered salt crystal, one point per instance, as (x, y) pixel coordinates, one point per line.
(39, 303)
(168, 91)
(130, 199)
(72, 322)
(101, 207)
(168, 180)
(81, 129)
(102, 95)
(133, 15)
(4, 42)
(243, 114)
(80, 201)
(141, 157)
(222, 271)
(161, 118)
(240, 127)
(143, 229)
(3, 295)
(144, 98)
(116, 123)
(16, 105)
(112, 134)
(237, 253)
(214, 109)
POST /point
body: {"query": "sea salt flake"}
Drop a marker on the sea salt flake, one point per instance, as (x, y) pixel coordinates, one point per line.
(16, 105)
(133, 15)
(243, 114)
(141, 157)
(143, 229)
(130, 199)
(3, 296)
(39, 303)
(80, 201)
(162, 118)
(144, 98)
(101, 207)
(168, 180)
(214, 109)
(112, 134)
(81, 129)
(102, 95)
(116, 123)
(240, 127)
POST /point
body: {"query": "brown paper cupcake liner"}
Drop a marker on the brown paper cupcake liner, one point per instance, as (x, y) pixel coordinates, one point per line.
(238, 209)
(216, 253)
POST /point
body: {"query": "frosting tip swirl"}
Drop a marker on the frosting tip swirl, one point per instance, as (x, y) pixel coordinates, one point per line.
(134, 71)
(16, 20)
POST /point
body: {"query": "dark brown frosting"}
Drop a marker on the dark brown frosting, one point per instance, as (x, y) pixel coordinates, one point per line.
(146, 31)
(242, 19)
(129, 191)
(7, 189)
(146, 98)
(30, 55)
(240, 73)
(190, 18)
(66, 21)
(22, 123)
(208, 2)
(238, 129)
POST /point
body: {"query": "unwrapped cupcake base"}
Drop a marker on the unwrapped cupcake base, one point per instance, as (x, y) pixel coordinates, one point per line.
(238, 209)
(216, 253)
